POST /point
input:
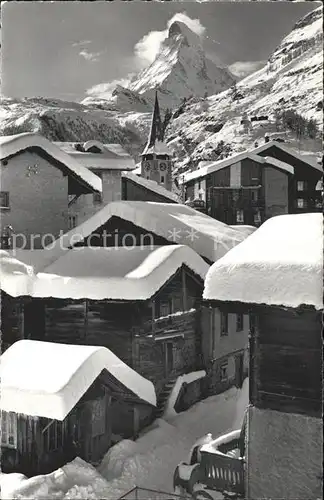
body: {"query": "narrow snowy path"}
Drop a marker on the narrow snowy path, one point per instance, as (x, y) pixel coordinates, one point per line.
(149, 462)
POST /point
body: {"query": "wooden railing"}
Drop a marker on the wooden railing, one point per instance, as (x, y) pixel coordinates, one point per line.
(220, 470)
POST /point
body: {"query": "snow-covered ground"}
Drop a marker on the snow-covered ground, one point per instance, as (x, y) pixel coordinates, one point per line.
(149, 462)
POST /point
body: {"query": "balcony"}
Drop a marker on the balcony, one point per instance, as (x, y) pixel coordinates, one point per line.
(222, 465)
(220, 468)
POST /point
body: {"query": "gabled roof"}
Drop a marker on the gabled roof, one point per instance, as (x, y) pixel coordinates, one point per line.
(47, 379)
(128, 274)
(208, 167)
(11, 145)
(281, 263)
(291, 151)
(98, 273)
(175, 222)
(109, 156)
(151, 186)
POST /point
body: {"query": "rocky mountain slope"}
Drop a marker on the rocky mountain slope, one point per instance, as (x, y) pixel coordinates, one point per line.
(200, 128)
(226, 123)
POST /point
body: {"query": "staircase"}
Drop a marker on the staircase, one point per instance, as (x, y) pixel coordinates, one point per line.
(164, 396)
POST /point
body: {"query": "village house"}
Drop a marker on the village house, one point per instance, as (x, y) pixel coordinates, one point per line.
(251, 187)
(225, 339)
(60, 401)
(36, 180)
(138, 223)
(141, 303)
(276, 275)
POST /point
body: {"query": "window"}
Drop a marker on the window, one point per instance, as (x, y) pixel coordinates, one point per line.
(97, 198)
(165, 307)
(53, 435)
(4, 199)
(148, 176)
(224, 323)
(162, 178)
(9, 429)
(254, 195)
(239, 216)
(235, 195)
(301, 203)
(257, 217)
(301, 185)
(223, 372)
(239, 322)
(98, 418)
(73, 221)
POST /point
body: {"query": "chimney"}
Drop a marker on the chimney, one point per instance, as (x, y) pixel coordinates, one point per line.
(266, 138)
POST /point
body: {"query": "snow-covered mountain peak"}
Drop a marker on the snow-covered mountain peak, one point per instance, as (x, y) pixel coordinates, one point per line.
(180, 31)
(181, 70)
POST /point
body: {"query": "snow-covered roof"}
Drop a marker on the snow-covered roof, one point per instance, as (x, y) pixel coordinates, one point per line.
(175, 222)
(288, 150)
(279, 264)
(15, 275)
(151, 185)
(112, 149)
(111, 156)
(207, 168)
(158, 148)
(115, 273)
(97, 273)
(12, 144)
(47, 379)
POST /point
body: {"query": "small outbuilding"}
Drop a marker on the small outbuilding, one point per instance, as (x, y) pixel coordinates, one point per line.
(60, 401)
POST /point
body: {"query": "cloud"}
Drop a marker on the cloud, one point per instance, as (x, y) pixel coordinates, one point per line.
(81, 43)
(245, 68)
(148, 47)
(105, 90)
(90, 56)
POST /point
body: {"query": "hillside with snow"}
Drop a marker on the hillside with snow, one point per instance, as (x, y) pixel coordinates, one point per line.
(291, 80)
(201, 128)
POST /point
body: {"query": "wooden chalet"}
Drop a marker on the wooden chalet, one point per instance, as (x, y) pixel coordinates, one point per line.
(142, 303)
(278, 280)
(60, 401)
(243, 189)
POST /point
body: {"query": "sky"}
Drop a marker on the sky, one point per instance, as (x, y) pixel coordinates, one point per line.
(65, 49)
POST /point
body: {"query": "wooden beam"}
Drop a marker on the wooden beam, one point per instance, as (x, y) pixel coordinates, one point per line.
(135, 421)
(153, 316)
(184, 289)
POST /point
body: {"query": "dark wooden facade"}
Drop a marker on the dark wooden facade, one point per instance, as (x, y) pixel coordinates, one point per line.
(286, 360)
(106, 413)
(133, 191)
(119, 232)
(160, 338)
(265, 191)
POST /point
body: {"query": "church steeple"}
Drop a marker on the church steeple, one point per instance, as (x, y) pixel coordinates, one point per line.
(156, 124)
(156, 158)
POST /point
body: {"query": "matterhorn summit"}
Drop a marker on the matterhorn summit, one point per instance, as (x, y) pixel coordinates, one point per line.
(181, 70)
